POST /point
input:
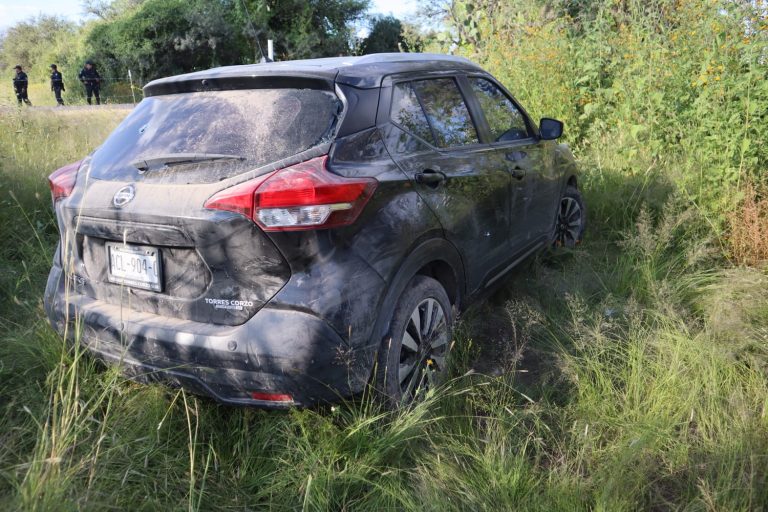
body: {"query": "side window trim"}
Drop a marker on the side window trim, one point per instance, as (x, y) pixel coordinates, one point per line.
(475, 110)
(533, 131)
(457, 77)
(424, 111)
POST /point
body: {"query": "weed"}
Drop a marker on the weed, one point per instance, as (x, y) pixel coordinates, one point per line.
(748, 227)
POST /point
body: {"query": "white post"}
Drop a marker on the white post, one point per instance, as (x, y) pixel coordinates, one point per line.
(133, 94)
(270, 50)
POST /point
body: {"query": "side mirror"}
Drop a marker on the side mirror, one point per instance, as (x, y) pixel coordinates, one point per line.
(550, 129)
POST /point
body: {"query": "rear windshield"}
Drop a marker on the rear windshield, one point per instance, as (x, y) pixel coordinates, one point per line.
(254, 126)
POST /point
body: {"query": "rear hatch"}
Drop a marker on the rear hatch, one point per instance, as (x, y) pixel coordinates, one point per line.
(135, 231)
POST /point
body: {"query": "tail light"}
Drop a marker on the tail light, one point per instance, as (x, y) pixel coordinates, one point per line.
(299, 197)
(62, 180)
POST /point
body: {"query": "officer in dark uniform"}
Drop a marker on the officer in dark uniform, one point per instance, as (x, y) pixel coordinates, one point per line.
(91, 80)
(20, 84)
(57, 84)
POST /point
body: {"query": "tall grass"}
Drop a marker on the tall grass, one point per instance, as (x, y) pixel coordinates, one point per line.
(629, 373)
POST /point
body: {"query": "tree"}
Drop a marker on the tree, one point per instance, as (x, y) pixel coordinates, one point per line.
(305, 29)
(165, 37)
(155, 38)
(386, 36)
(110, 9)
(27, 42)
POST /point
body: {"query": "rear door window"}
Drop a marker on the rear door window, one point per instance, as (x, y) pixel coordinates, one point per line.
(446, 111)
(259, 126)
(407, 112)
(505, 120)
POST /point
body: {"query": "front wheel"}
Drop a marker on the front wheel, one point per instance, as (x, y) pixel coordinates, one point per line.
(414, 354)
(571, 219)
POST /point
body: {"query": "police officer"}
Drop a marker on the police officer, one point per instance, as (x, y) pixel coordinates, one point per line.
(57, 84)
(20, 84)
(91, 80)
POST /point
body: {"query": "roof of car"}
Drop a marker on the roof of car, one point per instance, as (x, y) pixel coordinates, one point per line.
(363, 72)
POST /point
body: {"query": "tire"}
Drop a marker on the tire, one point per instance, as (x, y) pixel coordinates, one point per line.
(409, 363)
(571, 219)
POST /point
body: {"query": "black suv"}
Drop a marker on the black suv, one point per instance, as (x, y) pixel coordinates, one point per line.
(286, 233)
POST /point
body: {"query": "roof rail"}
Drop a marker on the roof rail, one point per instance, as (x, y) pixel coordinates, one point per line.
(409, 57)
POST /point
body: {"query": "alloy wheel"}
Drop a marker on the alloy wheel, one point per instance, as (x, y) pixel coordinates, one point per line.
(569, 223)
(424, 348)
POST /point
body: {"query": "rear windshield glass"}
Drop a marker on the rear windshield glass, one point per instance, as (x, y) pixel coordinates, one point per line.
(254, 126)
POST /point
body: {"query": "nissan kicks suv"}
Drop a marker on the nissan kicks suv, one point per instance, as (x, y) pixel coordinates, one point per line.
(288, 233)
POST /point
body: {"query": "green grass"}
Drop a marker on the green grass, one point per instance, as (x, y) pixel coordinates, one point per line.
(629, 373)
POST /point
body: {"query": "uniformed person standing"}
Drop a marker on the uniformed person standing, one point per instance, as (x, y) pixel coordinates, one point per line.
(91, 80)
(57, 84)
(20, 84)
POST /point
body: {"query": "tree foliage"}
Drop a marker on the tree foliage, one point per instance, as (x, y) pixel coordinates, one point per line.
(386, 36)
(110, 9)
(166, 37)
(27, 42)
(155, 38)
(307, 29)
(163, 37)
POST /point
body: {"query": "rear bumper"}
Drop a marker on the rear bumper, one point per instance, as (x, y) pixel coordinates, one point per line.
(276, 351)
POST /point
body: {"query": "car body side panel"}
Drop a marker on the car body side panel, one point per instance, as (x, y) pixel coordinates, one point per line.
(546, 192)
(401, 234)
(534, 195)
(521, 224)
(566, 165)
(472, 204)
(336, 271)
(423, 252)
(361, 107)
(564, 168)
(330, 280)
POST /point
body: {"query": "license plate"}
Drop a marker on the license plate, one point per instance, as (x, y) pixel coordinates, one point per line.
(138, 266)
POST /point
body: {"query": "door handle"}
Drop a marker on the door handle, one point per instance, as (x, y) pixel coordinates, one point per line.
(518, 173)
(430, 178)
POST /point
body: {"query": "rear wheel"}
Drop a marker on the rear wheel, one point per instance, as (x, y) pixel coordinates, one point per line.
(571, 219)
(414, 354)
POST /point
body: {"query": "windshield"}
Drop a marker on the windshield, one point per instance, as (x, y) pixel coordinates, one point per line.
(258, 126)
